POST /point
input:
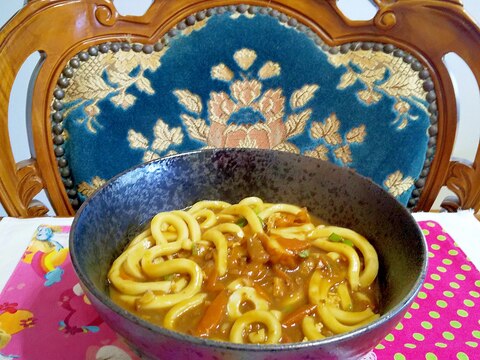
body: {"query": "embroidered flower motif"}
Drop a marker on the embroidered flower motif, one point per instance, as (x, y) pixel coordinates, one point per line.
(383, 74)
(249, 116)
(397, 185)
(245, 58)
(164, 138)
(87, 189)
(329, 132)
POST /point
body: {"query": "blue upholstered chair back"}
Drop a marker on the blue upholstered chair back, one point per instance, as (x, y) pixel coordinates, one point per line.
(244, 77)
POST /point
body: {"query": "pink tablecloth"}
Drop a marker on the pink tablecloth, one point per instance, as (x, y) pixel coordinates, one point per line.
(45, 315)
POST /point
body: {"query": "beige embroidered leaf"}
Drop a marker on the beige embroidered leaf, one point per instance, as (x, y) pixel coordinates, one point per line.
(295, 124)
(197, 128)
(87, 189)
(164, 136)
(369, 96)
(303, 96)
(328, 130)
(143, 84)
(192, 102)
(245, 58)
(221, 72)
(117, 77)
(137, 140)
(321, 152)
(397, 185)
(344, 154)
(288, 147)
(347, 79)
(150, 155)
(269, 70)
(356, 135)
(123, 100)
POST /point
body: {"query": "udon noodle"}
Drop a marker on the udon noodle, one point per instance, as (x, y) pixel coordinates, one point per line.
(251, 272)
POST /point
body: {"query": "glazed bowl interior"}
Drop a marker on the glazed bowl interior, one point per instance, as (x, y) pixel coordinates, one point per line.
(113, 215)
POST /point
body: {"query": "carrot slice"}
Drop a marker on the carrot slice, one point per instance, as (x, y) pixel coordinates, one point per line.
(293, 244)
(298, 314)
(212, 283)
(213, 315)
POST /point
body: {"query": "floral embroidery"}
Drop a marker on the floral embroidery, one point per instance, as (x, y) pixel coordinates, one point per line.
(397, 185)
(382, 74)
(87, 189)
(263, 111)
(109, 76)
(329, 132)
(164, 137)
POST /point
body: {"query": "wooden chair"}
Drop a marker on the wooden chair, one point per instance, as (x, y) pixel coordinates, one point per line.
(111, 91)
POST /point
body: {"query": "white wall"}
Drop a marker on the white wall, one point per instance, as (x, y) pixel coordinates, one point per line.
(469, 130)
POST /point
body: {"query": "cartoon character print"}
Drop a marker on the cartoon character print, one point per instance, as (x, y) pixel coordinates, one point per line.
(78, 307)
(12, 321)
(46, 255)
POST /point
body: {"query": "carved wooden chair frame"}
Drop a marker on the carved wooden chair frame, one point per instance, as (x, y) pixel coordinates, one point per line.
(60, 29)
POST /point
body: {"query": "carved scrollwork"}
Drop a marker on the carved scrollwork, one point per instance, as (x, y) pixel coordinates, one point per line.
(106, 14)
(29, 185)
(464, 181)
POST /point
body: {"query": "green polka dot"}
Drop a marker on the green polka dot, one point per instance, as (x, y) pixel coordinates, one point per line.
(425, 232)
(441, 269)
(441, 237)
(430, 224)
(422, 295)
(415, 306)
(431, 255)
(418, 337)
(448, 294)
(469, 303)
(460, 277)
(452, 252)
(379, 347)
(435, 277)
(428, 286)
(455, 324)
(399, 326)
(447, 335)
(399, 356)
(440, 345)
(462, 313)
(466, 267)
(442, 304)
(430, 356)
(447, 261)
(407, 315)
(476, 334)
(472, 344)
(474, 294)
(435, 247)
(454, 285)
(410, 346)
(434, 314)
(462, 356)
(477, 283)
(427, 325)
(390, 337)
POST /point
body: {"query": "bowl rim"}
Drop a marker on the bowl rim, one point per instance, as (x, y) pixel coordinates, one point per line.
(105, 300)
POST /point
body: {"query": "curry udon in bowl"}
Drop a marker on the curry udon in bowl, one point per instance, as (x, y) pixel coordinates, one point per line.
(247, 254)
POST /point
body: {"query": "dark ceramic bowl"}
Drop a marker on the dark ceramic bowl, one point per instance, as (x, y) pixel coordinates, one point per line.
(337, 195)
